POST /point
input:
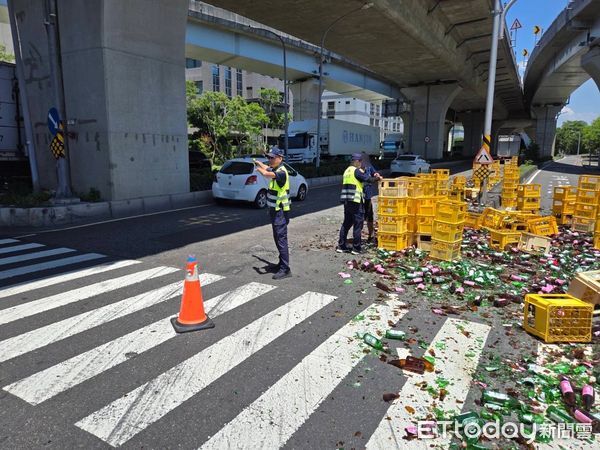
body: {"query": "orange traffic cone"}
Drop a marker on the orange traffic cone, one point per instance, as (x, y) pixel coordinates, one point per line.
(191, 315)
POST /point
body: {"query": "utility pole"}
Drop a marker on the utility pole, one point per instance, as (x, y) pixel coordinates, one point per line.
(578, 142)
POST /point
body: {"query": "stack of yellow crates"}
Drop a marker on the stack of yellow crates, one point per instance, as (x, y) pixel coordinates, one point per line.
(597, 231)
(505, 227)
(509, 185)
(392, 214)
(457, 188)
(563, 204)
(421, 209)
(496, 175)
(529, 197)
(442, 180)
(448, 228)
(586, 203)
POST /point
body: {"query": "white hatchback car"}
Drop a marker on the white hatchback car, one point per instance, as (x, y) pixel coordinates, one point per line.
(238, 179)
(408, 164)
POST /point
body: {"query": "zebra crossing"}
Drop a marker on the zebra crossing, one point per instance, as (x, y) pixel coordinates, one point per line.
(269, 420)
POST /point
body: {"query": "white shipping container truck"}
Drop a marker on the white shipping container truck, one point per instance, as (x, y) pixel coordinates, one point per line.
(508, 146)
(338, 139)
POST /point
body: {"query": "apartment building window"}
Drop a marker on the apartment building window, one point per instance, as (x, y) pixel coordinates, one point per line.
(330, 110)
(228, 81)
(216, 78)
(347, 102)
(239, 87)
(191, 63)
(249, 92)
(199, 87)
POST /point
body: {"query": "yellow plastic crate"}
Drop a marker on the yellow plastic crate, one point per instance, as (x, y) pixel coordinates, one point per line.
(588, 197)
(423, 206)
(451, 212)
(563, 206)
(586, 285)
(532, 243)
(411, 223)
(424, 224)
(473, 220)
(418, 188)
(514, 224)
(500, 239)
(441, 174)
(528, 203)
(564, 193)
(456, 194)
(391, 241)
(444, 250)
(529, 190)
(423, 242)
(509, 184)
(509, 203)
(394, 225)
(389, 206)
(510, 195)
(393, 187)
(589, 182)
(459, 180)
(564, 219)
(447, 232)
(597, 226)
(582, 224)
(543, 226)
(587, 211)
(492, 218)
(558, 318)
(597, 241)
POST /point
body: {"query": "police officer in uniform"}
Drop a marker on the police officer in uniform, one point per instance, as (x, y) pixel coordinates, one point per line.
(353, 199)
(278, 201)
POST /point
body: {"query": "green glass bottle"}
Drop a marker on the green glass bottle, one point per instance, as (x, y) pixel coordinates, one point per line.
(372, 341)
(395, 334)
(558, 415)
(499, 398)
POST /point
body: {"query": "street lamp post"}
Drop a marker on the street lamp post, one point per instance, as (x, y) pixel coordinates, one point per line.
(497, 34)
(319, 109)
(285, 89)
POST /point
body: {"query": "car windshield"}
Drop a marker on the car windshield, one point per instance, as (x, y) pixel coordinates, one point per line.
(298, 141)
(406, 158)
(237, 168)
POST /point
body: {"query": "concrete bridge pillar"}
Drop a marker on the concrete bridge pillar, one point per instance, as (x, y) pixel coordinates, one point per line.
(472, 122)
(306, 99)
(591, 64)
(122, 66)
(545, 128)
(429, 107)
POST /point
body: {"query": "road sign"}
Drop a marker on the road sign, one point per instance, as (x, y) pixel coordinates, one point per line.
(427, 139)
(516, 25)
(483, 157)
(482, 173)
(53, 121)
(537, 29)
(525, 52)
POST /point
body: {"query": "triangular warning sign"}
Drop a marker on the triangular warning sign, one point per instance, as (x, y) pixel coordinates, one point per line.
(483, 157)
(516, 25)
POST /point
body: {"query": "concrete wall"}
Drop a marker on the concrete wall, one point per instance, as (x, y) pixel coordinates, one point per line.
(123, 77)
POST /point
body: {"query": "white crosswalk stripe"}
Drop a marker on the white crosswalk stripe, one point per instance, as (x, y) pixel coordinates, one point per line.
(66, 277)
(40, 337)
(270, 421)
(19, 248)
(454, 367)
(45, 304)
(35, 255)
(8, 241)
(34, 268)
(122, 419)
(54, 380)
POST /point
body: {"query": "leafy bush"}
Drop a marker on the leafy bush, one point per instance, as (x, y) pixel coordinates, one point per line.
(201, 180)
(25, 200)
(92, 196)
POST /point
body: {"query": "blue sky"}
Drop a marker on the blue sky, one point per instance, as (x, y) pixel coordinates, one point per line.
(585, 101)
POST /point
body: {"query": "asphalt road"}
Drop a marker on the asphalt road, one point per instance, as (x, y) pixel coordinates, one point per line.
(88, 358)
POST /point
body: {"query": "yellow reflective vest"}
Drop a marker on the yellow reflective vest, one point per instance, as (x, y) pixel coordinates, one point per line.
(352, 188)
(278, 197)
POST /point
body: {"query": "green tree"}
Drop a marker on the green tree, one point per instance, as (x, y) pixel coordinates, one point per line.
(6, 56)
(274, 107)
(567, 136)
(591, 137)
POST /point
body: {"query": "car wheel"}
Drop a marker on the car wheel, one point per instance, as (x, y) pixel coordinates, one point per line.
(261, 199)
(301, 193)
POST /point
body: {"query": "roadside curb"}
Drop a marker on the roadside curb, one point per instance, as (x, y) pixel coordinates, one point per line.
(47, 216)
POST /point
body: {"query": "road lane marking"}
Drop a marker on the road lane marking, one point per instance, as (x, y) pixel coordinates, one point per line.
(18, 248)
(452, 365)
(64, 298)
(54, 332)
(280, 411)
(23, 270)
(122, 419)
(36, 255)
(8, 241)
(46, 384)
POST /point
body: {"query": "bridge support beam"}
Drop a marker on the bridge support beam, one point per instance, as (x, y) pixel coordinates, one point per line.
(306, 97)
(123, 75)
(472, 122)
(429, 107)
(545, 128)
(591, 64)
